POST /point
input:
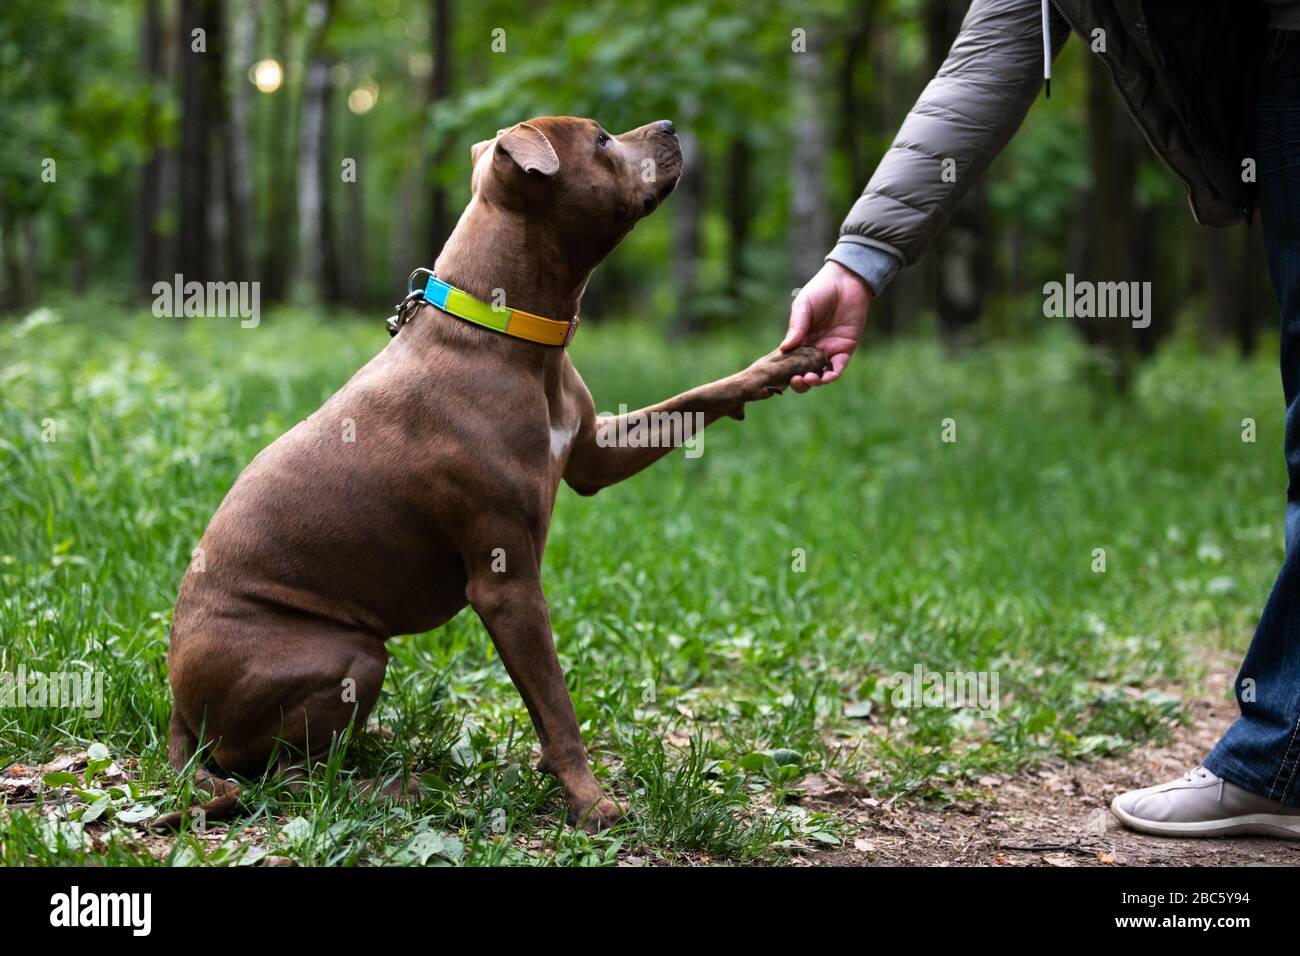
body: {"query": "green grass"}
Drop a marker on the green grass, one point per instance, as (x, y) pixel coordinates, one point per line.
(710, 675)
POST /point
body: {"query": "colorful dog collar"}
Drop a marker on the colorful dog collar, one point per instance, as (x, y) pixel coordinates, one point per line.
(512, 322)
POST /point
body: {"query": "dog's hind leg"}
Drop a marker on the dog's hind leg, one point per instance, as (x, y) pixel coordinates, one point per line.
(347, 675)
(273, 710)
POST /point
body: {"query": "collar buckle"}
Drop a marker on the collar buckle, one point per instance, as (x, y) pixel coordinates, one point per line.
(405, 309)
(573, 330)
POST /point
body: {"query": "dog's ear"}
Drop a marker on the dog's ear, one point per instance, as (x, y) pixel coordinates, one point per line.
(529, 148)
(476, 151)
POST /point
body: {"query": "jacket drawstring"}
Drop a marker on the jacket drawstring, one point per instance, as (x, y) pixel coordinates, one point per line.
(1047, 48)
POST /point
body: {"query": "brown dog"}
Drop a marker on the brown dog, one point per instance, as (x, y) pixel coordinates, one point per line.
(326, 547)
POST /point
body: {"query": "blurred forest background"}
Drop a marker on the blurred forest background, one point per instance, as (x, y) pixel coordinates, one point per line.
(231, 163)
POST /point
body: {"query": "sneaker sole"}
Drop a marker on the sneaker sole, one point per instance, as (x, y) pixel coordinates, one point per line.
(1249, 824)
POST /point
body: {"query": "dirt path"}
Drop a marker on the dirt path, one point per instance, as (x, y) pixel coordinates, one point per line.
(1056, 816)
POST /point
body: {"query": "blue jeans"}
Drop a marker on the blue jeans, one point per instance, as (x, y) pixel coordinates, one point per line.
(1261, 750)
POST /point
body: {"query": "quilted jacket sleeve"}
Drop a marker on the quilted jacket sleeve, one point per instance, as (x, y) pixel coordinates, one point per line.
(967, 113)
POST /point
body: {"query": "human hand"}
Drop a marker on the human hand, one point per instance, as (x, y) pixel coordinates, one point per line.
(829, 312)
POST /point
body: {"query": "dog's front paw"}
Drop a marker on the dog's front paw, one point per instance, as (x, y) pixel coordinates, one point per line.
(771, 374)
(594, 817)
(780, 366)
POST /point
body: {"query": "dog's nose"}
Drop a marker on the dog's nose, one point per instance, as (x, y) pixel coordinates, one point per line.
(667, 126)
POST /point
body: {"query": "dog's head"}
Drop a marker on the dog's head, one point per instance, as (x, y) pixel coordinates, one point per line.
(589, 186)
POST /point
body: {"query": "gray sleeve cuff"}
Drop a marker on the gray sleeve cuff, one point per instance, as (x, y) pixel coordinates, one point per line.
(876, 267)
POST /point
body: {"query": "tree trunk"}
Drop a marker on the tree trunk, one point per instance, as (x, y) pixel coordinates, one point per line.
(1255, 298)
(241, 22)
(440, 222)
(329, 173)
(406, 240)
(13, 298)
(200, 87)
(1218, 275)
(1112, 224)
(218, 264)
(856, 51)
(885, 319)
(688, 208)
(810, 227)
(31, 259)
(277, 252)
(355, 287)
(307, 275)
(148, 246)
(740, 207)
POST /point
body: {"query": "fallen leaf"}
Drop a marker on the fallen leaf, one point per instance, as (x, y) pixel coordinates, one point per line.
(64, 762)
(820, 785)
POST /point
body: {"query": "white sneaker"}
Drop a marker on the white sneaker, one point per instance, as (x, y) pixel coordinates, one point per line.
(1200, 804)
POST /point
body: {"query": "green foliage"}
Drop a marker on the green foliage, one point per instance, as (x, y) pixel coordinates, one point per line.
(76, 91)
(72, 93)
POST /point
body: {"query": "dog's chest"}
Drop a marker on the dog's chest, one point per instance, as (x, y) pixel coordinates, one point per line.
(561, 441)
(563, 421)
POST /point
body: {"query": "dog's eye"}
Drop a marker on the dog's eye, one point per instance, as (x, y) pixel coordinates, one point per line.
(602, 139)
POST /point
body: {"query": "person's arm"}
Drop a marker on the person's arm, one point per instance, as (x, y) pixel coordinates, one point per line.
(964, 117)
